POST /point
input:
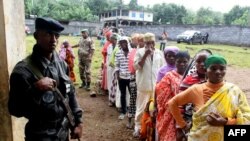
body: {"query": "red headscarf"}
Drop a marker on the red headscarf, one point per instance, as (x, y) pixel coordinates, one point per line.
(106, 45)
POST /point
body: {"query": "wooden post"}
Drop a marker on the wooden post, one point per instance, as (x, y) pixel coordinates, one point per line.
(12, 49)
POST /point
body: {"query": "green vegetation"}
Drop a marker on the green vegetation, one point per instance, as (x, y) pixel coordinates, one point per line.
(89, 10)
(236, 56)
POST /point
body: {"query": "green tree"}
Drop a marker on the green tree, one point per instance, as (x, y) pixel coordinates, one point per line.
(40, 8)
(189, 18)
(133, 5)
(60, 9)
(169, 13)
(28, 5)
(65, 10)
(208, 17)
(218, 18)
(243, 20)
(234, 14)
(98, 6)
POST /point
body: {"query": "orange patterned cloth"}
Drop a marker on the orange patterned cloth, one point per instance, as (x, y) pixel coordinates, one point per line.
(70, 61)
(147, 131)
(165, 90)
(66, 53)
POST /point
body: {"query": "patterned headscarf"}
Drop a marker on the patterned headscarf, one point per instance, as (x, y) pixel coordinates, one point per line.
(215, 59)
(62, 51)
(66, 43)
(108, 34)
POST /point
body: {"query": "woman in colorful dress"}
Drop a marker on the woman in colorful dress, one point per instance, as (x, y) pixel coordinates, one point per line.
(167, 88)
(104, 84)
(169, 54)
(195, 74)
(66, 53)
(216, 103)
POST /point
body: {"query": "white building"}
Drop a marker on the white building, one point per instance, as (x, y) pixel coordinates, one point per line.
(124, 17)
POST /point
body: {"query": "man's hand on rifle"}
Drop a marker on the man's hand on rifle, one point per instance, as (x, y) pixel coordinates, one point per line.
(77, 132)
(45, 84)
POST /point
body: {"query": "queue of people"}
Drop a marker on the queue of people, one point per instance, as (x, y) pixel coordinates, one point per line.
(166, 95)
(161, 83)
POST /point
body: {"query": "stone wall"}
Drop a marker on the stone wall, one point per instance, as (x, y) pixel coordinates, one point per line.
(232, 35)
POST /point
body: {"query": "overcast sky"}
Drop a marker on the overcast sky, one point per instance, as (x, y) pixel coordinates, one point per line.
(215, 5)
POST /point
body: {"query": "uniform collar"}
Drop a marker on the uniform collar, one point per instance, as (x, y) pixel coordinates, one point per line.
(39, 59)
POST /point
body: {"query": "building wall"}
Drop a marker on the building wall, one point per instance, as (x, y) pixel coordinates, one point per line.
(136, 16)
(232, 35)
(148, 16)
(12, 50)
(131, 15)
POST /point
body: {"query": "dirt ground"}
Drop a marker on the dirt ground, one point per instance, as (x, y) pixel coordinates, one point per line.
(101, 121)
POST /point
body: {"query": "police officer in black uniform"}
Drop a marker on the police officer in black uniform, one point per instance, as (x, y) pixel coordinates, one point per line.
(36, 98)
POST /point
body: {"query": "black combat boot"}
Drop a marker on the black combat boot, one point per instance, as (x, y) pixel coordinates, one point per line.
(88, 86)
(83, 85)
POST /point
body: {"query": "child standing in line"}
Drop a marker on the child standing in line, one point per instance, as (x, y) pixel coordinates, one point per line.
(66, 53)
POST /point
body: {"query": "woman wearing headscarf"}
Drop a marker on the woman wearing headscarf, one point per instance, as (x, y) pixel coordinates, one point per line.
(195, 74)
(67, 54)
(216, 103)
(104, 84)
(166, 89)
(169, 54)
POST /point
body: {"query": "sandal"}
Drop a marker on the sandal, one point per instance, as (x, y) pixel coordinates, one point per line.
(92, 94)
(129, 126)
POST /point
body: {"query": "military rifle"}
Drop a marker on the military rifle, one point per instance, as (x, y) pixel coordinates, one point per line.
(64, 100)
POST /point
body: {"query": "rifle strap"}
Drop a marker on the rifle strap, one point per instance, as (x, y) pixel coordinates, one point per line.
(39, 76)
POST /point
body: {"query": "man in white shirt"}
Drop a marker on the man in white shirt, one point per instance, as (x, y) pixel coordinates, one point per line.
(147, 62)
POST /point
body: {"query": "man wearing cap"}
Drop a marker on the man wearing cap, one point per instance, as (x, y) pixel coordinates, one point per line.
(122, 73)
(147, 62)
(85, 54)
(40, 89)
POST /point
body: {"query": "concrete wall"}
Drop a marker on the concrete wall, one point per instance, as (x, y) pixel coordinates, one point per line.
(72, 27)
(12, 49)
(233, 35)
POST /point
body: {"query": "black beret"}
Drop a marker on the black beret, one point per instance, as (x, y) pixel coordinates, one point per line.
(48, 24)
